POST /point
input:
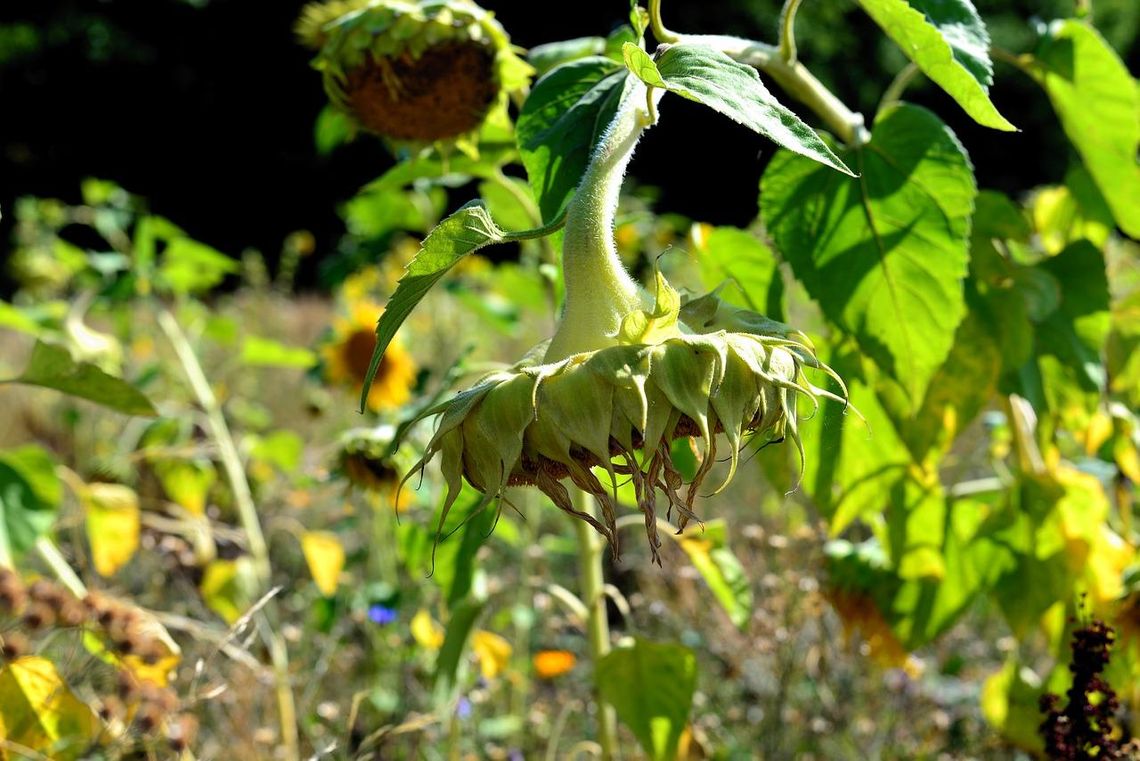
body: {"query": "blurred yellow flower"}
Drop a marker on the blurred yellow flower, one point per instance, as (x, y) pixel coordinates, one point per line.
(348, 353)
(426, 631)
(492, 651)
(549, 664)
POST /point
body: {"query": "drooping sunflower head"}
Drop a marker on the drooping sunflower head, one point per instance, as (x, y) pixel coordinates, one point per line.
(413, 72)
(615, 411)
(364, 459)
(347, 354)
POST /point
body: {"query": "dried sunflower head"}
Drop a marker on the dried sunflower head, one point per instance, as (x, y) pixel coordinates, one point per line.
(676, 370)
(419, 72)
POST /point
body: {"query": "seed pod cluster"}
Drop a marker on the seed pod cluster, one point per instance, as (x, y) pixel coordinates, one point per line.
(28, 611)
(412, 71)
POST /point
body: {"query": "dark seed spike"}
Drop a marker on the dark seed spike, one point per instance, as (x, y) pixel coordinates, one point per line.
(554, 489)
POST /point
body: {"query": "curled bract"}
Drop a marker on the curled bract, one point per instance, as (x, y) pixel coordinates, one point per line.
(615, 411)
(419, 72)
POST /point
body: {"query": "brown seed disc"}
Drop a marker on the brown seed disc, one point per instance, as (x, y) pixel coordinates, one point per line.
(442, 94)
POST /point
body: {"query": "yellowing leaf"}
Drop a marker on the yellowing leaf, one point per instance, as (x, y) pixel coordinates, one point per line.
(325, 556)
(1105, 571)
(549, 664)
(493, 652)
(112, 525)
(186, 482)
(40, 712)
(426, 631)
(227, 587)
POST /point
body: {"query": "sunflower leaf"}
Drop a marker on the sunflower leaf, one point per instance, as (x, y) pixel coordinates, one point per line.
(468, 229)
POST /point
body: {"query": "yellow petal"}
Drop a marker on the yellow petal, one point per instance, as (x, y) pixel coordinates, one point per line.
(492, 651)
(112, 525)
(426, 631)
(40, 712)
(325, 556)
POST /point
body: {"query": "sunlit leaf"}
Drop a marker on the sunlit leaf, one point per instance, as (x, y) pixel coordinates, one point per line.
(708, 76)
(52, 367)
(650, 686)
(112, 519)
(30, 495)
(744, 265)
(227, 587)
(710, 554)
(948, 41)
(1098, 103)
(262, 352)
(324, 555)
(39, 711)
(187, 482)
(1064, 214)
(885, 254)
(1010, 702)
(190, 267)
(467, 230)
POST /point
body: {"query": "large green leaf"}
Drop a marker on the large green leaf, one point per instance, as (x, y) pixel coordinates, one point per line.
(561, 121)
(959, 389)
(884, 254)
(650, 685)
(52, 367)
(1098, 103)
(468, 229)
(708, 76)
(1076, 331)
(748, 268)
(948, 41)
(30, 494)
(710, 554)
(192, 267)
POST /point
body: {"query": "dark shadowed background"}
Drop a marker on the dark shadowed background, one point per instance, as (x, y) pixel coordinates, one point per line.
(206, 107)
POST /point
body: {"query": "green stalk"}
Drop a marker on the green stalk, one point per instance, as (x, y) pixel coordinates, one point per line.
(227, 450)
(788, 30)
(599, 290)
(591, 547)
(247, 513)
(781, 65)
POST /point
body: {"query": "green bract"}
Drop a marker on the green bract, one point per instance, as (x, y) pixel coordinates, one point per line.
(413, 72)
(694, 369)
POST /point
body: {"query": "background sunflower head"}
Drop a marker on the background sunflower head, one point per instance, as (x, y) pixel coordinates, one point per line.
(348, 352)
(422, 73)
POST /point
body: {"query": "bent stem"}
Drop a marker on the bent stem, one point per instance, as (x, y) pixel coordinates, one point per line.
(781, 65)
(247, 513)
(597, 626)
(227, 450)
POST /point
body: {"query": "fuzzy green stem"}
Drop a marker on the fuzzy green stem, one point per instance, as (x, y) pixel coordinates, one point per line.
(659, 31)
(788, 30)
(593, 595)
(599, 290)
(227, 450)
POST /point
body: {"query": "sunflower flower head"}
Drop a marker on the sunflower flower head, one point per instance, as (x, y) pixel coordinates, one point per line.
(628, 371)
(348, 352)
(614, 412)
(413, 72)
